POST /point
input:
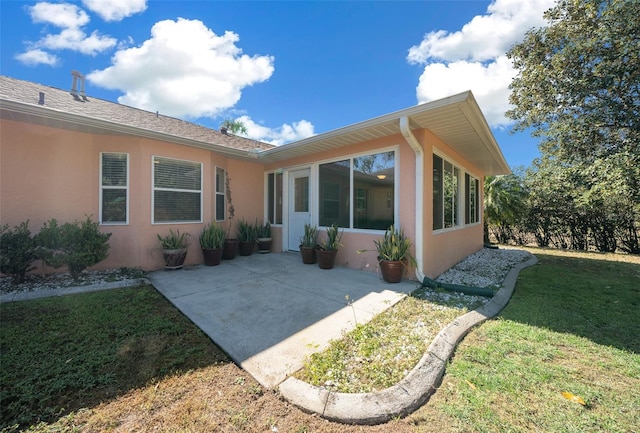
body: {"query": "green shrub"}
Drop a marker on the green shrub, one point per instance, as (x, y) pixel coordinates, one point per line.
(17, 251)
(174, 240)
(212, 237)
(77, 245)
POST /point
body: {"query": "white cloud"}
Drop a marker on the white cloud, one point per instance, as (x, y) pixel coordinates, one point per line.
(115, 10)
(76, 40)
(183, 70)
(36, 56)
(277, 136)
(489, 84)
(63, 15)
(473, 58)
(71, 19)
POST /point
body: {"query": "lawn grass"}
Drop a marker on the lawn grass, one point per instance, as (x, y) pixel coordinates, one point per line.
(378, 354)
(571, 326)
(60, 354)
(126, 360)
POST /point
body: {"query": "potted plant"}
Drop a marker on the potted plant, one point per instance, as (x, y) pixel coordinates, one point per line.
(328, 249)
(393, 252)
(247, 237)
(264, 238)
(212, 243)
(308, 244)
(230, 244)
(174, 248)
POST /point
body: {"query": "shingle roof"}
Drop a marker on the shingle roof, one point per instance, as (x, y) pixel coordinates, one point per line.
(58, 100)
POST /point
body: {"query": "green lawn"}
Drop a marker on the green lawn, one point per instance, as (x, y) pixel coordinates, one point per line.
(60, 354)
(572, 326)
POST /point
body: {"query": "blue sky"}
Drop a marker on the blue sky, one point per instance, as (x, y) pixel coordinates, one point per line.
(288, 70)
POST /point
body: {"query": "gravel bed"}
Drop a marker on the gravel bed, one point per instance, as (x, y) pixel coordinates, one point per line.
(59, 280)
(485, 268)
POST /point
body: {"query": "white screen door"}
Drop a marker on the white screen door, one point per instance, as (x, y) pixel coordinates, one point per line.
(299, 210)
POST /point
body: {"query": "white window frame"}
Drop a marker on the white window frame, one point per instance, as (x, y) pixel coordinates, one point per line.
(474, 218)
(222, 193)
(104, 187)
(351, 157)
(192, 191)
(273, 218)
(460, 195)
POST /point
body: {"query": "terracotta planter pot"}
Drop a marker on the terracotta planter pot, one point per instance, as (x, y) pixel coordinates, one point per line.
(212, 257)
(230, 249)
(246, 248)
(326, 259)
(391, 270)
(174, 259)
(308, 254)
(264, 245)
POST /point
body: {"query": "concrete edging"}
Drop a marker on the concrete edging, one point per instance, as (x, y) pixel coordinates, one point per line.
(414, 389)
(39, 294)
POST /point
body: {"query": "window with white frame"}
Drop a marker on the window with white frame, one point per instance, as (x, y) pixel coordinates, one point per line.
(471, 197)
(114, 188)
(274, 198)
(221, 209)
(177, 190)
(358, 192)
(446, 195)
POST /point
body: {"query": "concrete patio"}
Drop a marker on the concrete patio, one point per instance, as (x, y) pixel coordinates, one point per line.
(269, 311)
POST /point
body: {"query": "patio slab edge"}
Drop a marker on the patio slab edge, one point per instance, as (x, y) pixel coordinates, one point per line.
(414, 389)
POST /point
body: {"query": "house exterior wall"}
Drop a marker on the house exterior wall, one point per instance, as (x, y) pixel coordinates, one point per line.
(354, 240)
(48, 172)
(445, 248)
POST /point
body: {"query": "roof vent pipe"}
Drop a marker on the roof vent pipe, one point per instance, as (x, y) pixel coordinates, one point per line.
(41, 100)
(74, 84)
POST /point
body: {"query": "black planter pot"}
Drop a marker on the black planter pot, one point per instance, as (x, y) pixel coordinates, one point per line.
(174, 259)
(309, 256)
(230, 250)
(246, 248)
(212, 257)
(326, 259)
(264, 245)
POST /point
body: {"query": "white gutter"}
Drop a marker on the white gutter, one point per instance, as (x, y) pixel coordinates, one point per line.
(405, 129)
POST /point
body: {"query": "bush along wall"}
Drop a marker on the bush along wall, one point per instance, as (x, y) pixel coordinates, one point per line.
(76, 245)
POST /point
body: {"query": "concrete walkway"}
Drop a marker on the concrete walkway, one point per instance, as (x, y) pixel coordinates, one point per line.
(269, 311)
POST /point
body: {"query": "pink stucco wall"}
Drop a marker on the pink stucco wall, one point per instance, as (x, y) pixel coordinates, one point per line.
(54, 173)
(48, 173)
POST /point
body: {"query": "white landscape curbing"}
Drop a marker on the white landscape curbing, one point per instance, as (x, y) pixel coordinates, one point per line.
(415, 389)
(38, 294)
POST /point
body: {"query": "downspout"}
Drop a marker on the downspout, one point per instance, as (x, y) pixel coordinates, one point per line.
(405, 129)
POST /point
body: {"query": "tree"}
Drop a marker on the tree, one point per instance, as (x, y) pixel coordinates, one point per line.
(234, 126)
(578, 82)
(578, 89)
(504, 204)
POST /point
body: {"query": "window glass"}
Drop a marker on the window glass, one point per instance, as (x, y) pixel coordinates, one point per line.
(220, 194)
(334, 193)
(437, 193)
(301, 189)
(177, 194)
(358, 193)
(446, 194)
(114, 178)
(373, 191)
(472, 215)
(274, 198)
